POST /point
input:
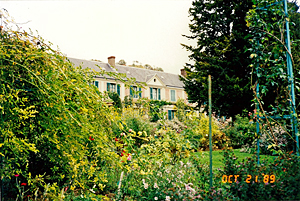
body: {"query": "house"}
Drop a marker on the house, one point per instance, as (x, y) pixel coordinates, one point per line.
(160, 85)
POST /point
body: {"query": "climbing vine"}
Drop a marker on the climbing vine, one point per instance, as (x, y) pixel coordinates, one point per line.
(270, 80)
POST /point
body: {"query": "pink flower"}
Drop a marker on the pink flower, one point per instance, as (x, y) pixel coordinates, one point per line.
(185, 126)
(129, 157)
(16, 175)
(23, 184)
(130, 130)
(122, 134)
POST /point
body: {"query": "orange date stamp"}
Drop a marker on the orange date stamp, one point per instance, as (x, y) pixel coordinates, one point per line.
(264, 177)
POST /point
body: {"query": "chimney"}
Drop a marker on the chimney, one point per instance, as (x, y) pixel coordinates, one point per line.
(112, 61)
(183, 72)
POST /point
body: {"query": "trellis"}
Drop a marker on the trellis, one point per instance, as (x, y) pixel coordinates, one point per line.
(293, 115)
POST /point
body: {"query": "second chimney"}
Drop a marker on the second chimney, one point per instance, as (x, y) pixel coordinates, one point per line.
(112, 61)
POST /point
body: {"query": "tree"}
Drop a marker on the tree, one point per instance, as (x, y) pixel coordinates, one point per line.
(122, 62)
(220, 29)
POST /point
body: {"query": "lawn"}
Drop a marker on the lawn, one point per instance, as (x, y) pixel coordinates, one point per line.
(217, 157)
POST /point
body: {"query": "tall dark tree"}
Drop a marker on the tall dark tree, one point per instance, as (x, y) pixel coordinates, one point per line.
(220, 29)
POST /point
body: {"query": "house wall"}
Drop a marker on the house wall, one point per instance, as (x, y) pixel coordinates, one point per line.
(165, 91)
(167, 94)
(179, 94)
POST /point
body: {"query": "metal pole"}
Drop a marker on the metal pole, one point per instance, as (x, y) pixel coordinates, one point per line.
(257, 110)
(291, 77)
(210, 137)
(257, 123)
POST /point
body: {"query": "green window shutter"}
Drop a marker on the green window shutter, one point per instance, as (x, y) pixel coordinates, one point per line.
(158, 91)
(118, 89)
(131, 91)
(169, 114)
(108, 86)
(97, 84)
(151, 93)
(140, 92)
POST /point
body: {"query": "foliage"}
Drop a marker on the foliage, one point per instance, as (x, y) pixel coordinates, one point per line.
(165, 182)
(197, 132)
(137, 64)
(116, 100)
(219, 29)
(155, 109)
(267, 23)
(54, 127)
(261, 185)
(122, 62)
(242, 132)
(266, 144)
(131, 119)
(127, 101)
(181, 109)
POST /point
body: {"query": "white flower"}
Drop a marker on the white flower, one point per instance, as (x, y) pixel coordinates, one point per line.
(181, 163)
(155, 198)
(155, 185)
(168, 198)
(145, 185)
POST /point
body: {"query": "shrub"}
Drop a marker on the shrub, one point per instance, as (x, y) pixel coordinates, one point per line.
(197, 132)
(241, 133)
(116, 100)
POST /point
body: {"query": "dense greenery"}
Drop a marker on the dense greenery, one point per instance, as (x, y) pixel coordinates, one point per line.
(242, 132)
(55, 128)
(60, 140)
(269, 66)
(220, 29)
(117, 103)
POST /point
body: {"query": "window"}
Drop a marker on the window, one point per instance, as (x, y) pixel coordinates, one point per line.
(171, 114)
(96, 83)
(173, 97)
(112, 87)
(154, 93)
(135, 92)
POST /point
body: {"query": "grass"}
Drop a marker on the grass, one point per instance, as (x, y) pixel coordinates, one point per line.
(217, 157)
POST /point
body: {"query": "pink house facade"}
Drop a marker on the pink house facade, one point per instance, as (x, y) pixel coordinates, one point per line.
(159, 85)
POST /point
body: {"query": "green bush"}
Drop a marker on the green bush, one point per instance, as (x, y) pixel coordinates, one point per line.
(242, 132)
(116, 100)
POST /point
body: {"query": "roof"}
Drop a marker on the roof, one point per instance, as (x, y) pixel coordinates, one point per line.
(140, 74)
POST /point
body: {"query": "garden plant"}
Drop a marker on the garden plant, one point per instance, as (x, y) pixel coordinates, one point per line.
(60, 140)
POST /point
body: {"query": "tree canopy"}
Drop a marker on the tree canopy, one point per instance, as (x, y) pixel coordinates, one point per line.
(220, 30)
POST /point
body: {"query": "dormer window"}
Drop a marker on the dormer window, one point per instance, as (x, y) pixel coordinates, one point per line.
(154, 80)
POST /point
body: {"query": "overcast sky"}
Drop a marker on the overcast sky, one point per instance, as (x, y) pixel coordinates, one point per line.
(148, 31)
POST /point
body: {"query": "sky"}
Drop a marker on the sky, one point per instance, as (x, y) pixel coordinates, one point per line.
(147, 31)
